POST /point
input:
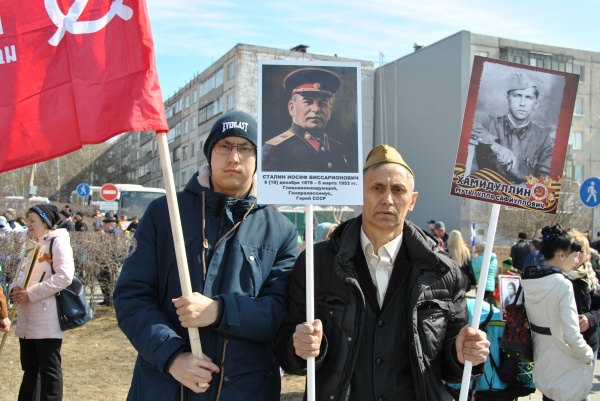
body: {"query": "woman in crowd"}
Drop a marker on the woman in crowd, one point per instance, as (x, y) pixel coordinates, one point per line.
(563, 361)
(38, 329)
(490, 283)
(587, 295)
(461, 255)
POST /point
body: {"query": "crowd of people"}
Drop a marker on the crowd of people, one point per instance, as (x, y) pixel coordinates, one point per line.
(391, 319)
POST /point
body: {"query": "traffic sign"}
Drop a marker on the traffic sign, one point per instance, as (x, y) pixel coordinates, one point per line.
(109, 192)
(83, 190)
(589, 192)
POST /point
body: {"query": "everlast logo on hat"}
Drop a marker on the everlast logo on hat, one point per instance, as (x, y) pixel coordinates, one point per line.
(235, 124)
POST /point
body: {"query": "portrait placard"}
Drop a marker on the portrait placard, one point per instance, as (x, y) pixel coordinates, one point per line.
(29, 254)
(515, 134)
(309, 133)
(509, 285)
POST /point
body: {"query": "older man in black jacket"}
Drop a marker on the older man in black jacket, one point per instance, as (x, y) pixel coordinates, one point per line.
(390, 308)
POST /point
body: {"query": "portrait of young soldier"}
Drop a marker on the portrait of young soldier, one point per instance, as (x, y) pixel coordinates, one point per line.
(511, 144)
(310, 144)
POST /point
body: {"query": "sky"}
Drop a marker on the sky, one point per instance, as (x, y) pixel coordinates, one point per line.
(189, 35)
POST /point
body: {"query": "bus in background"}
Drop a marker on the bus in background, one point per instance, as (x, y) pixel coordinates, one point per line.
(133, 199)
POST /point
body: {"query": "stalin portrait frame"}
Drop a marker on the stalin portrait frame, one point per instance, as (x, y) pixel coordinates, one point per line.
(332, 143)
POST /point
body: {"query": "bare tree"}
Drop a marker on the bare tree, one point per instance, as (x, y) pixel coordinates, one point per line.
(570, 214)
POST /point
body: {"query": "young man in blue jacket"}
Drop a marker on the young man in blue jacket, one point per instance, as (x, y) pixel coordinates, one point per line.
(240, 256)
(390, 307)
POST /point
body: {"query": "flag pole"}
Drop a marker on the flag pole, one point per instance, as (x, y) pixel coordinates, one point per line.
(182, 266)
(310, 296)
(487, 253)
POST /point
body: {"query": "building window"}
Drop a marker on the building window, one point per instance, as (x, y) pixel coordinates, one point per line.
(207, 85)
(186, 101)
(201, 115)
(578, 69)
(176, 153)
(568, 170)
(193, 149)
(194, 121)
(183, 177)
(174, 132)
(186, 126)
(578, 107)
(576, 140)
(195, 96)
(230, 101)
(184, 152)
(578, 172)
(219, 78)
(214, 108)
(231, 70)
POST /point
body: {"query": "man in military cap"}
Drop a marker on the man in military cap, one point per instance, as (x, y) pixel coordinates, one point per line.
(511, 144)
(306, 146)
(391, 314)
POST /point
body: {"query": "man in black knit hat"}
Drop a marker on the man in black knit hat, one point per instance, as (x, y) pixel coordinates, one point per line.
(239, 255)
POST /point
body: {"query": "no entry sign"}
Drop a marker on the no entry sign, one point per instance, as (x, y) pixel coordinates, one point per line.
(109, 192)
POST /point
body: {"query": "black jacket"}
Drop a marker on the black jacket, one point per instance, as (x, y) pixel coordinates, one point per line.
(518, 253)
(588, 304)
(435, 308)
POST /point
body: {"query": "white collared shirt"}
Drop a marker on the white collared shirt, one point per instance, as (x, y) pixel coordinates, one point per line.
(382, 264)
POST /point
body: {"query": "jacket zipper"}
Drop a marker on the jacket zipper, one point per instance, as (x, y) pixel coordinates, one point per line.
(222, 370)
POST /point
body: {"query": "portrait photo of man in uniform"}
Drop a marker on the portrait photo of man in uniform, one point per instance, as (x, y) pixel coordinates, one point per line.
(514, 128)
(309, 119)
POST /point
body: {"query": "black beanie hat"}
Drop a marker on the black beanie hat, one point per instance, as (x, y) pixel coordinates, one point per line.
(48, 213)
(234, 123)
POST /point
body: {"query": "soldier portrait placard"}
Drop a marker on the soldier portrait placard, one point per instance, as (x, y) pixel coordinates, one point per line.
(309, 133)
(514, 136)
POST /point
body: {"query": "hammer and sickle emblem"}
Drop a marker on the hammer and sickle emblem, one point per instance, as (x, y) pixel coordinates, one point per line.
(69, 23)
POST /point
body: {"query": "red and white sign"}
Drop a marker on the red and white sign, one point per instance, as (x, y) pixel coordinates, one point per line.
(109, 192)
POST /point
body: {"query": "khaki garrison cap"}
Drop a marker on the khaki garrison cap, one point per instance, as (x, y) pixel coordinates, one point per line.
(519, 81)
(385, 154)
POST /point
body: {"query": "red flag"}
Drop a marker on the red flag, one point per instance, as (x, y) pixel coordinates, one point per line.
(70, 81)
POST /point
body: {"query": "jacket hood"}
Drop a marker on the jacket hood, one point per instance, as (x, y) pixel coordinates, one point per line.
(539, 282)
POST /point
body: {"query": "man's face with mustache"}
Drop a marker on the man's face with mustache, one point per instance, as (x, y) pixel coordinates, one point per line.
(310, 112)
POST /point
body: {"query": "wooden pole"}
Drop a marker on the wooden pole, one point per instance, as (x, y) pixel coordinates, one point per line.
(182, 266)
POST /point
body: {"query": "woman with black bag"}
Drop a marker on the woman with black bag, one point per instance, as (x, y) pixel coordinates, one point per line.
(38, 328)
(563, 361)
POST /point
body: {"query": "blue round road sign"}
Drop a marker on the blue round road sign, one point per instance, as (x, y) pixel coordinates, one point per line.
(589, 192)
(83, 190)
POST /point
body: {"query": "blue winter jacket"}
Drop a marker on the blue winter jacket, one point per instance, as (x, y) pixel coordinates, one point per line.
(247, 269)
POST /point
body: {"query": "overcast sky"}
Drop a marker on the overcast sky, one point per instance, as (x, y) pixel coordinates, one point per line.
(189, 35)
